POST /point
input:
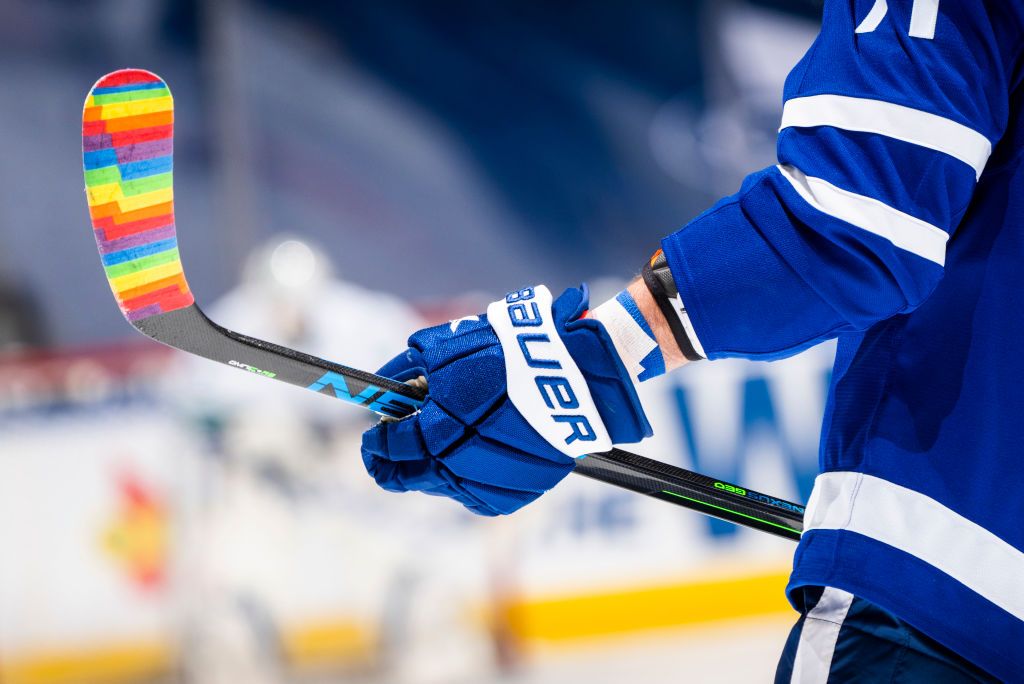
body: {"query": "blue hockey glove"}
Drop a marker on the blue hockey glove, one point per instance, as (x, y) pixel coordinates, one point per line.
(514, 397)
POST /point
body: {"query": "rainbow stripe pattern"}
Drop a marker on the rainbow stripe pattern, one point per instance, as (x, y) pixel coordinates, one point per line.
(127, 146)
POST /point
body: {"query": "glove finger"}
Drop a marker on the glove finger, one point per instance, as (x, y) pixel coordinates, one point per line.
(470, 400)
(374, 441)
(480, 509)
(507, 426)
(439, 429)
(407, 476)
(481, 461)
(396, 440)
(395, 456)
(425, 475)
(500, 501)
(444, 343)
(408, 365)
(403, 440)
(483, 511)
(421, 476)
(464, 497)
(374, 450)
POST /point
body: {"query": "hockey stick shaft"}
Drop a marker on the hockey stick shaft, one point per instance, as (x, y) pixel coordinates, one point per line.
(190, 330)
(127, 154)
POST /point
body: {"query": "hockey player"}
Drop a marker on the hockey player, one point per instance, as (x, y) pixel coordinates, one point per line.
(893, 222)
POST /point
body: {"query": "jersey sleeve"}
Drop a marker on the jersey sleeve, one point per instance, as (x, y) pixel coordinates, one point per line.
(888, 123)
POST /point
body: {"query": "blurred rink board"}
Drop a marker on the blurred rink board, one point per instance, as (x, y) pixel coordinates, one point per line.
(133, 550)
(98, 569)
(593, 562)
(87, 491)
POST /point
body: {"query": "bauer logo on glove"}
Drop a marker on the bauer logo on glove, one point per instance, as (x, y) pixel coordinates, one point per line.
(544, 383)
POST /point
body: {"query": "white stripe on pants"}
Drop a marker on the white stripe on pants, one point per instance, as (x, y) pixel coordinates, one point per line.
(818, 636)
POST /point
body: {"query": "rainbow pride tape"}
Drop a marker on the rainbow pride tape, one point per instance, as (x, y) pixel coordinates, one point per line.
(127, 154)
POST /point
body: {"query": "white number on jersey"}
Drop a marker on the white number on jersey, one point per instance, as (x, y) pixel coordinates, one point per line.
(922, 18)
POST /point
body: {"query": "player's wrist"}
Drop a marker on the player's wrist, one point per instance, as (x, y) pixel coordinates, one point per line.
(671, 354)
(632, 335)
(640, 331)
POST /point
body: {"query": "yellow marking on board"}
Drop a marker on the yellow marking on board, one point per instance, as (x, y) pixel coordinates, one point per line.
(110, 663)
(565, 618)
(139, 278)
(329, 642)
(120, 110)
(337, 642)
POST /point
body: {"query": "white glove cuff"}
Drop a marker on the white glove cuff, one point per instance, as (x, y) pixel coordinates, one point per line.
(544, 382)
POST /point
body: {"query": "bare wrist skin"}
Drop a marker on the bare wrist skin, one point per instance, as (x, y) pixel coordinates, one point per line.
(662, 332)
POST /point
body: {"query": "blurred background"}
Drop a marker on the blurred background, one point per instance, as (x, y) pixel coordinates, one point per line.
(345, 173)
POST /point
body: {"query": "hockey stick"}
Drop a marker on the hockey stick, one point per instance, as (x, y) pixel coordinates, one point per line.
(127, 145)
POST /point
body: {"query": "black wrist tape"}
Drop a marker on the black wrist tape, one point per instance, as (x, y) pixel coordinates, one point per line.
(662, 287)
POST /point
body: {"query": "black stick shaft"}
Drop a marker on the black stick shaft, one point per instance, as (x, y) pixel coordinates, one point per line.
(695, 491)
(190, 330)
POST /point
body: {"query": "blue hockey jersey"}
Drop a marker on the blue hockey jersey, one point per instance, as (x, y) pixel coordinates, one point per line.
(895, 222)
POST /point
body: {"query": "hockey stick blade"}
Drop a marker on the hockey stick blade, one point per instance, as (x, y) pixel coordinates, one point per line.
(127, 151)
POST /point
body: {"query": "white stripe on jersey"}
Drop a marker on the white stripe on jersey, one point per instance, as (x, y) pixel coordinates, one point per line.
(922, 527)
(684, 318)
(891, 120)
(923, 17)
(875, 16)
(903, 230)
(818, 637)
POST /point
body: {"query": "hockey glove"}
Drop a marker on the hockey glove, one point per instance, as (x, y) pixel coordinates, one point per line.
(515, 396)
